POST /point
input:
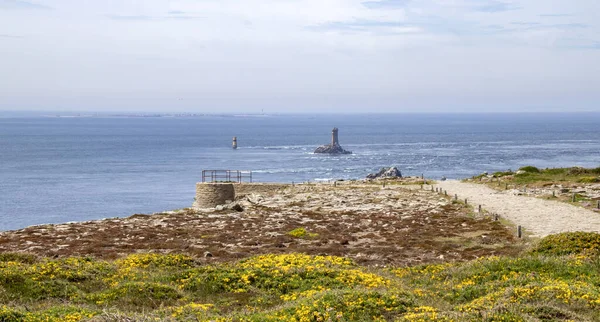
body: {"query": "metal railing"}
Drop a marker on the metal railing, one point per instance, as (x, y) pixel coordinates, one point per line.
(226, 176)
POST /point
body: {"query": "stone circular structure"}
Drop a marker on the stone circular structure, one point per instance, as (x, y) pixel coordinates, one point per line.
(210, 195)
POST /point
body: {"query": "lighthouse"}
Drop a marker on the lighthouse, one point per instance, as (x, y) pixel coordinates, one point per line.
(234, 144)
(334, 137)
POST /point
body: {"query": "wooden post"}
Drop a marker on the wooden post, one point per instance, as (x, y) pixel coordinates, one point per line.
(519, 232)
(446, 194)
(598, 204)
(455, 197)
(574, 195)
(335, 183)
(495, 217)
(553, 194)
(384, 184)
(421, 187)
(431, 188)
(506, 187)
(479, 209)
(466, 201)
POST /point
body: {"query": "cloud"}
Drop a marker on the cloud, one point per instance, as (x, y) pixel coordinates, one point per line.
(370, 26)
(386, 4)
(20, 4)
(131, 17)
(496, 6)
(152, 18)
(10, 36)
(524, 23)
(574, 43)
(557, 15)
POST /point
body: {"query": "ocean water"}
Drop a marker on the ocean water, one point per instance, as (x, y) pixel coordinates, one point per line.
(55, 170)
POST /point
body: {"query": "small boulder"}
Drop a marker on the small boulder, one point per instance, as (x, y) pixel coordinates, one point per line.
(386, 173)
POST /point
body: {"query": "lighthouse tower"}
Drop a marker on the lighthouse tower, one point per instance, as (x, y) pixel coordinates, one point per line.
(334, 137)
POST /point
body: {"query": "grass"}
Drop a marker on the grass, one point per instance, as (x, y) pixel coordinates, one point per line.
(557, 280)
(533, 175)
(551, 179)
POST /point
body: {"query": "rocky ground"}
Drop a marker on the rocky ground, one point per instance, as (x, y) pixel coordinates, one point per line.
(395, 225)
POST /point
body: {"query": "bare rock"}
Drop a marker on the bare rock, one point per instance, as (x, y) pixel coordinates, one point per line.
(385, 173)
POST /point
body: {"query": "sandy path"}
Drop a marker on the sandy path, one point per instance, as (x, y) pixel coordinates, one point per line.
(537, 216)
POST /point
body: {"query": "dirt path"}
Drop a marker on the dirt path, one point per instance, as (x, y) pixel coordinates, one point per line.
(537, 216)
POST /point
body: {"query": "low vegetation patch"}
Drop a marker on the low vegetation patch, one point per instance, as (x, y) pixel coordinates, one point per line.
(530, 169)
(569, 243)
(532, 175)
(557, 281)
(302, 233)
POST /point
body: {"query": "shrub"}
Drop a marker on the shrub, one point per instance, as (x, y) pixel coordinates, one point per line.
(555, 171)
(500, 174)
(569, 243)
(298, 232)
(18, 257)
(530, 169)
(302, 233)
(589, 180)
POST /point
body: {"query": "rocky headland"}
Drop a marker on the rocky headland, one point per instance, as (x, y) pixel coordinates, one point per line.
(395, 225)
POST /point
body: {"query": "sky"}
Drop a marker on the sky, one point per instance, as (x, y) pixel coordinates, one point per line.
(300, 56)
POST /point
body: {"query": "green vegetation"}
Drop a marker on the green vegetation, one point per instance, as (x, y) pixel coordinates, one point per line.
(502, 174)
(533, 175)
(530, 169)
(558, 280)
(302, 233)
(589, 180)
(574, 243)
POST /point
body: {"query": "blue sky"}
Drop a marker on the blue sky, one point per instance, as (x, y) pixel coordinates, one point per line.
(340, 56)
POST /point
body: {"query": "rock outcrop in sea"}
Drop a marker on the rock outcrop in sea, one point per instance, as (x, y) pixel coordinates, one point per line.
(334, 147)
(386, 173)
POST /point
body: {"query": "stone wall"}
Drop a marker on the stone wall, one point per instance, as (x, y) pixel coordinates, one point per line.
(242, 189)
(210, 195)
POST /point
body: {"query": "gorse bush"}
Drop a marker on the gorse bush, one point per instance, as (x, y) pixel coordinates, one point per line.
(299, 287)
(589, 180)
(569, 244)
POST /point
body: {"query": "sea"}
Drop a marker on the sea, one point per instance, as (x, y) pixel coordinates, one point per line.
(65, 169)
